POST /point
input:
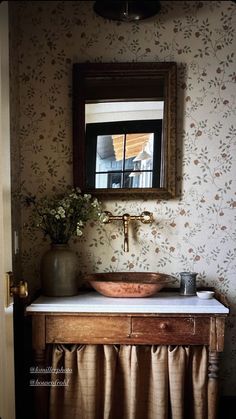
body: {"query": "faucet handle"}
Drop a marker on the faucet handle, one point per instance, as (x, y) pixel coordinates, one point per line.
(106, 218)
(146, 217)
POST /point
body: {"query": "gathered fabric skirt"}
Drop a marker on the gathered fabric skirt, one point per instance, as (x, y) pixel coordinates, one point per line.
(128, 382)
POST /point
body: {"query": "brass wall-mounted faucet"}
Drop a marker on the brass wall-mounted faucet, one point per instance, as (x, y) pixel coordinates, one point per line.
(145, 217)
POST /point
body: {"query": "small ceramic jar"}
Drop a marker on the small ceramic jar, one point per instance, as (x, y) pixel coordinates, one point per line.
(188, 283)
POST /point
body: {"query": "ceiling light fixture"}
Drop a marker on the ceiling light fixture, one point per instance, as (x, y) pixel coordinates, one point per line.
(133, 174)
(127, 11)
(143, 155)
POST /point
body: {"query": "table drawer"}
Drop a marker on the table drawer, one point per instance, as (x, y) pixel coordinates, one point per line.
(94, 329)
(169, 330)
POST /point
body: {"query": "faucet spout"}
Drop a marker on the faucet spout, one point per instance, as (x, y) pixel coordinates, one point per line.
(126, 219)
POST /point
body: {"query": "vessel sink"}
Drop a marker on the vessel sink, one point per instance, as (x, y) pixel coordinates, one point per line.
(129, 284)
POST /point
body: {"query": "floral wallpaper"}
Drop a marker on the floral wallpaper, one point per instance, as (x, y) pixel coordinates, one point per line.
(196, 231)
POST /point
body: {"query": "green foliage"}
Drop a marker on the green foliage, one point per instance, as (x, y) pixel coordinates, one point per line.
(64, 215)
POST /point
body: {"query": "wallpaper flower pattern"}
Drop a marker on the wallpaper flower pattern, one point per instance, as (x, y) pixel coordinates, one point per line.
(196, 231)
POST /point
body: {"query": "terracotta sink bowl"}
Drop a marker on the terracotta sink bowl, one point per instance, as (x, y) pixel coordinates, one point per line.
(128, 284)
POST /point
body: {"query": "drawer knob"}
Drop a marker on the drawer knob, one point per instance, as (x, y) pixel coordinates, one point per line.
(164, 326)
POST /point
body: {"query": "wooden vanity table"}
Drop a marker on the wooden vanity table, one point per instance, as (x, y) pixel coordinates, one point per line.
(164, 319)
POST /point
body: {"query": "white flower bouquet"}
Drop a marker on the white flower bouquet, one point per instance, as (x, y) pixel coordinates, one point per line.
(64, 215)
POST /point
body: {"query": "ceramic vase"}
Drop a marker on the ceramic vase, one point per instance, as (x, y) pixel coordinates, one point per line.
(58, 271)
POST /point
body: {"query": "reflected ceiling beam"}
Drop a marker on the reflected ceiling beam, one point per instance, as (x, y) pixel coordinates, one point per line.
(134, 144)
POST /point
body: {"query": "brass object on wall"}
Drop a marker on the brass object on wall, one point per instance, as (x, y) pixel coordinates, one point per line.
(145, 217)
(21, 289)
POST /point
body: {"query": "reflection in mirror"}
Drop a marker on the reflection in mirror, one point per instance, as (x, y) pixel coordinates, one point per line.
(124, 128)
(124, 168)
(124, 144)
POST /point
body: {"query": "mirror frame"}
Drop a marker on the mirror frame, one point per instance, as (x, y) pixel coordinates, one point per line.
(93, 80)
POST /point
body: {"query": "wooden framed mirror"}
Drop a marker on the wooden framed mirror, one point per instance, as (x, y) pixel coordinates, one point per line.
(124, 128)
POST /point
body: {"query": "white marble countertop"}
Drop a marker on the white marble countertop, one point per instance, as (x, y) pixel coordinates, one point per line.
(93, 302)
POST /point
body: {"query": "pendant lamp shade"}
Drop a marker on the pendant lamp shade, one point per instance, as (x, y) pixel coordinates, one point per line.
(143, 155)
(126, 10)
(134, 174)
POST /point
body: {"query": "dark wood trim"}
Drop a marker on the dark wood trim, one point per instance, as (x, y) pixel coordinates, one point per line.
(23, 360)
(227, 407)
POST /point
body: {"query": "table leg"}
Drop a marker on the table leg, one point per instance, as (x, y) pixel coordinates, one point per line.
(213, 384)
(39, 376)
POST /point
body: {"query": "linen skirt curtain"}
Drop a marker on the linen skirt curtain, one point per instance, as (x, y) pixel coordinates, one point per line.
(129, 382)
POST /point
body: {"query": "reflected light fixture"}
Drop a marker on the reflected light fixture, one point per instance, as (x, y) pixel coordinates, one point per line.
(143, 155)
(133, 174)
(127, 11)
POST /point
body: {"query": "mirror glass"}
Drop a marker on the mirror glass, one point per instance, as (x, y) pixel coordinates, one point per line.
(124, 128)
(126, 136)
